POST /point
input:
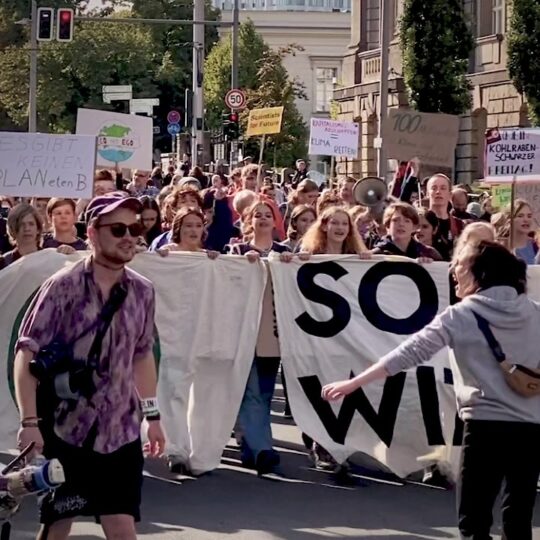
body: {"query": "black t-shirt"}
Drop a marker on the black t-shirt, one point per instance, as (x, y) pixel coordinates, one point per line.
(50, 242)
(443, 241)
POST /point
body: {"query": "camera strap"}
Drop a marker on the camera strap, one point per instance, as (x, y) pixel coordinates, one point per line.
(114, 303)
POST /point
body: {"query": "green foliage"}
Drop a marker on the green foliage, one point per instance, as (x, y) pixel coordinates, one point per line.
(217, 70)
(266, 82)
(155, 59)
(523, 62)
(436, 43)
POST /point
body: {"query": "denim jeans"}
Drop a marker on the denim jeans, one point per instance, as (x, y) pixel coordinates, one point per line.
(497, 454)
(254, 415)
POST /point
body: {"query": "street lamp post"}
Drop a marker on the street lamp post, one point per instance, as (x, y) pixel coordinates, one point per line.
(385, 17)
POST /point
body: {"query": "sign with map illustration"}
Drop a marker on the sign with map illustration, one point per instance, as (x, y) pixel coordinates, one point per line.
(123, 139)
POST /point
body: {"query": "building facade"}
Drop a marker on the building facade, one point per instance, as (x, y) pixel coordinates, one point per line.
(323, 36)
(496, 103)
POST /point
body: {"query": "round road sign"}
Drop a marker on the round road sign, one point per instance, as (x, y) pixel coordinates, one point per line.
(173, 117)
(235, 99)
(173, 129)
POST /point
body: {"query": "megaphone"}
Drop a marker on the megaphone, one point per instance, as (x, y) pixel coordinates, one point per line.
(371, 191)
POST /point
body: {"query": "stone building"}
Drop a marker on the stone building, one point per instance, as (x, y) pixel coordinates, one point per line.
(496, 103)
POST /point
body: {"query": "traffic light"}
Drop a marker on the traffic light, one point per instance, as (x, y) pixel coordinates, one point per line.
(231, 128)
(64, 24)
(45, 24)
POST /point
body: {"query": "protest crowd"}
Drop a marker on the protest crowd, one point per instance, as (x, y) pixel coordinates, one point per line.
(105, 313)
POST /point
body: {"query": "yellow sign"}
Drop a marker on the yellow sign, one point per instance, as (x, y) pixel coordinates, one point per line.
(501, 196)
(264, 121)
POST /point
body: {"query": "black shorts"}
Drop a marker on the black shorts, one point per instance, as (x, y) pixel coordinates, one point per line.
(96, 484)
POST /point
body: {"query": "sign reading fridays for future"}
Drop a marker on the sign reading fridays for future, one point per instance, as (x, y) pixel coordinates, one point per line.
(432, 138)
(122, 139)
(512, 154)
(333, 138)
(264, 121)
(43, 165)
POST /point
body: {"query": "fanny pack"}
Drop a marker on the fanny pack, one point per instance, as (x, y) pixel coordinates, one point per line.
(522, 380)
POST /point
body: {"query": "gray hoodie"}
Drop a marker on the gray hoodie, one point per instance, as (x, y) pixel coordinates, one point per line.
(481, 390)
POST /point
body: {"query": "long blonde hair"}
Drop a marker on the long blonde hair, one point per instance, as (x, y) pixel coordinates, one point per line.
(315, 240)
(247, 217)
(471, 236)
(502, 221)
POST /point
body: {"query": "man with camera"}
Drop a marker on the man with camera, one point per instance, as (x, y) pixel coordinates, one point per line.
(85, 376)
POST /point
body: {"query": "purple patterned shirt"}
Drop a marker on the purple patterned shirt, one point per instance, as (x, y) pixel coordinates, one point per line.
(70, 302)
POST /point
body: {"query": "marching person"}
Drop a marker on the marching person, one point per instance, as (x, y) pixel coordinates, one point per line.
(502, 427)
(402, 221)
(150, 219)
(61, 215)
(98, 316)
(302, 217)
(332, 234)
(24, 227)
(254, 424)
(449, 227)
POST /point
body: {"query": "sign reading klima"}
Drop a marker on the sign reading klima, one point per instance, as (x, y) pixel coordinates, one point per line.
(333, 138)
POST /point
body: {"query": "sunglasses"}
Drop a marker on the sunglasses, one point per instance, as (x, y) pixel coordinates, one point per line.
(119, 230)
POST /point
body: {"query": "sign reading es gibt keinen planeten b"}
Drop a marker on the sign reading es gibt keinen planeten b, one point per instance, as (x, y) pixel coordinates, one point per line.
(43, 165)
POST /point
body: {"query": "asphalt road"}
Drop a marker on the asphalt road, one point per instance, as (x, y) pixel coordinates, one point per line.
(233, 503)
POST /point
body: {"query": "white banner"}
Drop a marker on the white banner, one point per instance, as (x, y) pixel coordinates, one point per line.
(207, 317)
(122, 139)
(43, 165)
(336, 317)
(512, 154)
(333, 138)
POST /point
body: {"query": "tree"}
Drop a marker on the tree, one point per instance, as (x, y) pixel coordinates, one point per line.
(71, 75)
(266, 82)
(436, 43)
(217, 70)
(523, 64)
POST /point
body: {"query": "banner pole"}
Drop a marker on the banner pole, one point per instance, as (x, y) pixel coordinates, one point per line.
(261, 154)
(512, 204)
(332, 167)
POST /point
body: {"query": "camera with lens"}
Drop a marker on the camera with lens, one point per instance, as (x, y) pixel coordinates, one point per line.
(70, 378)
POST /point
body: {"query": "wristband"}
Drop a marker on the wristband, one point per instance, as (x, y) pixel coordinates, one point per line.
(27, 423)
(155, 417)
(149, 407)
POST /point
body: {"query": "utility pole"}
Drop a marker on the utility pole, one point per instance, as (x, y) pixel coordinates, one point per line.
(32, 92)
(197, 142)
(385, 17)
(235, 27)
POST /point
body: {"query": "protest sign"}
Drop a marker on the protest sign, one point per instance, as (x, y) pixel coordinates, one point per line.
(431, 138)
(501, 196)
(512, 154)
(333, 138)
(122, 139)
(205, 366)
(43, 165)
(264, 121)
(336, 317)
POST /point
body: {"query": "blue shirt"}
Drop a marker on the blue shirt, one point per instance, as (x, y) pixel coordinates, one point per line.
(527, 253)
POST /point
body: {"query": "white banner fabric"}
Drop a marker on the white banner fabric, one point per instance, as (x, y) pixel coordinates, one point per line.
(336, 316)
(207, 317)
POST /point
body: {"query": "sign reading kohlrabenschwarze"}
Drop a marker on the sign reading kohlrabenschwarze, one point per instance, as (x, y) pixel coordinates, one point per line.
(336, 317)
(432, 138)
(43, 165)
(512, 154)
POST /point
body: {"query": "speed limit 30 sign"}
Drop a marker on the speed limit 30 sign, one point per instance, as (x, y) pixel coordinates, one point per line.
(235, 99)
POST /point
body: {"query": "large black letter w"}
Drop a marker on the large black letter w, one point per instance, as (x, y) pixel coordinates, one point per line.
(382, 423)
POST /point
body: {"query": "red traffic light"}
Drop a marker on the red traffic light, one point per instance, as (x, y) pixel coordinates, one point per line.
(233, 117)
(64, 24)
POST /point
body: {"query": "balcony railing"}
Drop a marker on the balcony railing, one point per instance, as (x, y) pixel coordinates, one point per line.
(371, 65)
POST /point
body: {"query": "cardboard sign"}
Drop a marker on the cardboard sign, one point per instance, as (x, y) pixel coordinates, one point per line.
(264, 121)
(124, 139)
(333, 138)
(43, 165)
(501, 196)
(431, 138)
(512, 154)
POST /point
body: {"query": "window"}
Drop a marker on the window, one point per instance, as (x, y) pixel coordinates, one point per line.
(491, 17)
(498, 22)
(324, 87)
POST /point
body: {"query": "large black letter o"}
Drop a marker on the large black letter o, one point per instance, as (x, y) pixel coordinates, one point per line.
(429, 297)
